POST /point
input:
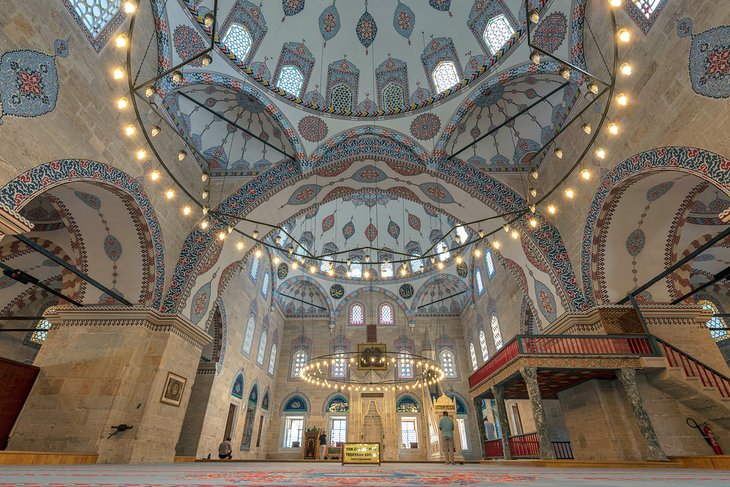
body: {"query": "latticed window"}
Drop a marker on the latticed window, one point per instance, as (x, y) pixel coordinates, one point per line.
(254, 271)
(409, 432)
(393, 97)
(443, 250)
(357, 314)
(416, 265)
(483, 345)
(248, 337)
(272, 359)
(386, 314)
(386, 269)
(339, 367)
(41, 331)
(462, 234)
(478, 281)
(496, 333)
(405, 365)
(238, 40)
(448, 363)
(325, 263)
(265, 285)
(290, 80)
(647, 7)
(489, 261)
(262, 348)
(445, 76)
(356, 268)
(473, 356)
(96, 14)
(298, 362)
(497, 32)
(341, 98)
(338, 432)
(715, 321)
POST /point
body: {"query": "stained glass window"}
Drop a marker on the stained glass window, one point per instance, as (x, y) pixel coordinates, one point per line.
(478, 281)
(393, 97)
(489, 261)
(265, 285)
(483, 345)
(96, 14)
(339, 367)
(248, 337)
(341, 98)
(238, 40)
(290, 80)
(462, 234)
(262, 347)
(448, 362)
(715, 321)
(356, 268)
(473, 356)
(386, 270)
(496, 333)
(443, 250)
(445, 76)
(272, 359)
(41, 331)
(298, 362)
(357, 314)
(386, 314)
(647, 7)
(254, 271)
(405, 365)
(497, 33)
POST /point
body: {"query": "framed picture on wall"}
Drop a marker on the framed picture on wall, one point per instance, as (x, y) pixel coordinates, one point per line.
(372, 356)
(172, 393)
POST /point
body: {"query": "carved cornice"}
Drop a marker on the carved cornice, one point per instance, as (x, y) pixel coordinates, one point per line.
(12, 222)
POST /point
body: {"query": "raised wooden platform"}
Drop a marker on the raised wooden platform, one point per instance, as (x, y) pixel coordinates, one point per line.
(45, 458)
(709, 462)
(716, 462)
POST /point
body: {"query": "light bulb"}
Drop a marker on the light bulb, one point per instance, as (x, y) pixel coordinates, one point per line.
(205, 59)
(366, 274)
(295, 265)
(155, 130)
(558, 152)
(255, 234)
(403, 271)
(240, 245)
(141, 153)
(229, 229)
(565, 72)
(515, 234)
(532, 207)
(496, 244)
(221, 235)
(600, 153)
(440, 265)
(121, 40)
(551, 209)
(118, 72)
(533, 192)
(330, 272)
(535, 57)
(593, 88)
(612, 128)
(534, 174)
(625, 69)
(622, 99)
(313, 269)
(155, 175)
(205, 210)
(348, 274)
(130, 7)
(122, 103)
(477, 253)
(615, 3)
(481, 233)
(204, 224)
(624, 35)
(534, 16)
(149, 91)
(505, 227)
(533, 222)
(208, 19)
(569, 193)
(204, 177)
(276, 260)
(186, 210)
(170, 194)
(585, 174)
(177, 76)
(129, 130)
(205, 194)
(587, 128)
(181, 155)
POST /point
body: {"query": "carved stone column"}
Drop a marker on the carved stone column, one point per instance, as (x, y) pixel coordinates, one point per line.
(538, 411)
(103, 366)
(498, 393)
(628, 380)
(480, 423)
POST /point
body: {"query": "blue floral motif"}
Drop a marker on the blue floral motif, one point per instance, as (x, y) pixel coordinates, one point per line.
(329, 22)
(635, 242)
(366, 30)
(292, 7)
(188, 44)
(28, 83)
(112, 248)
(201, 300)
(551, 31)
(404, 20)
(92, 201)
(545, 301)
(60, 47)
(709, 62)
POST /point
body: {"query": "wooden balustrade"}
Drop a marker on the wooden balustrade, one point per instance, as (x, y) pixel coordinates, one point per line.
(526, 446)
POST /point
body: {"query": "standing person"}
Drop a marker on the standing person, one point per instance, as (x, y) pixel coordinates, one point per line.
(446, 425)
(322, 445)
(225, 449)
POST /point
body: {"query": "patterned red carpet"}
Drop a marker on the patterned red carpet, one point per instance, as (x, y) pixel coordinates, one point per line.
(332, 475)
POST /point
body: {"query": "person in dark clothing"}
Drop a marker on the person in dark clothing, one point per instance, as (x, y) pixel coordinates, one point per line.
(322, 445)
(225, 449)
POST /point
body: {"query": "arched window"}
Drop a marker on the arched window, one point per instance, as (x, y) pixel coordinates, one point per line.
(490, 263)
(272, 359)
(299, 359)
(254, 271)
(393, 97)
(497, 32)
(238, 40)
(647, 7)
(386, 315)
(341, 98)
(496, 333)
(473, 356)
(448, 363)
(462, 234)
(40, 331)
(265, 285)
(386, 270)
(445, 76)
(715, 321)
(290, 80)
(357, 314)
(95, 14)
(355, 268)
(325, 263)
(443, 251)
(478, 281)
(262, 347)
(405, 365)
(416, 265)
(248, 336)
(483, 345)
(339, 366)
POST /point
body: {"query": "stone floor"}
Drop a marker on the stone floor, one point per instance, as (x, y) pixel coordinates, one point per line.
(331, 475)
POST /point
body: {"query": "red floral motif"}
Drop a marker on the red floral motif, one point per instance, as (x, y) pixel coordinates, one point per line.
(200, 303)
(718, 62)
(369, 174)
(30, 83)
(329, 23)
(545, 300)
(436, 192)
(404, 21)
(304, 194)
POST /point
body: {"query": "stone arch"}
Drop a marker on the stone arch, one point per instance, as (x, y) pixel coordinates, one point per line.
(345, 303)
(451, 279)
(297, 280)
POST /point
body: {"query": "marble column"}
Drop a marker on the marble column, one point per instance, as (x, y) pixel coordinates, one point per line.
(628, 380)
(498, 393)
(480, 423)
(538, 412)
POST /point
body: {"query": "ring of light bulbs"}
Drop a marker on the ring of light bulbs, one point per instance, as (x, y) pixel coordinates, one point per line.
(224, 224)
(426, 372)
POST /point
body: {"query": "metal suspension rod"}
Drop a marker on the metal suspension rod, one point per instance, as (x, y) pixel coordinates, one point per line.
(723, 274)
(25, 278)
(302, 301)
(442, 299)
